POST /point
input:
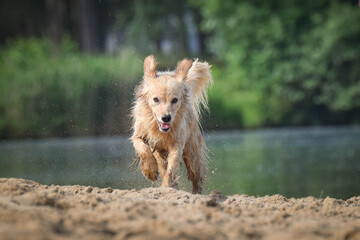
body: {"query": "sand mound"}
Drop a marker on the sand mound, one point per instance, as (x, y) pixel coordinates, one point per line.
(29, 210)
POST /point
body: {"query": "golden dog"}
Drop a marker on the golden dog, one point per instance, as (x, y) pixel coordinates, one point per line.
(166, 122)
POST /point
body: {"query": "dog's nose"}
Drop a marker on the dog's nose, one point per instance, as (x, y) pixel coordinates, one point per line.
(166, 118)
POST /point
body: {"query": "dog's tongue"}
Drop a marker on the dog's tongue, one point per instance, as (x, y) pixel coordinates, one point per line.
(165, 125)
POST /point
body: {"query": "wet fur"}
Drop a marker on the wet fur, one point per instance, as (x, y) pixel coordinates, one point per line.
(159, 152)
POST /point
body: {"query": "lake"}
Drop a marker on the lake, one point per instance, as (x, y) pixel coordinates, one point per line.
(294, 162)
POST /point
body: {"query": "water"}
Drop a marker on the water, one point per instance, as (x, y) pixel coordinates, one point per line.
(298, 162)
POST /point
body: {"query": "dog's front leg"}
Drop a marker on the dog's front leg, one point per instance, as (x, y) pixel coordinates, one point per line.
(174, 159)
(148, 163)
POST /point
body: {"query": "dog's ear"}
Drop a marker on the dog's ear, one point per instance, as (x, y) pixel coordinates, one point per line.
(150, 66)
(182, 69)
(198, 79)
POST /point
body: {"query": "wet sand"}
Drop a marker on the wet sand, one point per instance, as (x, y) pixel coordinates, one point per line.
(29, 210)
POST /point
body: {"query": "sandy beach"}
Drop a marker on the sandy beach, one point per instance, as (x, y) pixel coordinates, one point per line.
(29, 210)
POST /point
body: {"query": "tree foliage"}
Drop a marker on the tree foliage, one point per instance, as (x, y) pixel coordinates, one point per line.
(146, 25)
(287, 62)
(64, 93)
(293, 62)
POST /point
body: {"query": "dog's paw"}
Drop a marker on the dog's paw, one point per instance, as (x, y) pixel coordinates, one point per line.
(150, 174)
(169, 181)
(197, 189)
(149, 170)
(171, 184)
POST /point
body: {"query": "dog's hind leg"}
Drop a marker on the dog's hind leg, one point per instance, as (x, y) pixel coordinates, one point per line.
(148, 163)
(196, 183)
(195, 159)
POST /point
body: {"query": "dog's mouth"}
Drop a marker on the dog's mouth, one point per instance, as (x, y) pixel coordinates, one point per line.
(164, 127)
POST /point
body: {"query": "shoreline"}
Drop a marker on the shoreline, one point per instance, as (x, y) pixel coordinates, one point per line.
(29, 210)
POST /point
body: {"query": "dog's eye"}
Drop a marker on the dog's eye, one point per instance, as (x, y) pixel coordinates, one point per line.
(156, 100)
(175, 100)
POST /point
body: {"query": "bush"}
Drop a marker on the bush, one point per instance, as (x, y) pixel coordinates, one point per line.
(286, 62)
(62, 93)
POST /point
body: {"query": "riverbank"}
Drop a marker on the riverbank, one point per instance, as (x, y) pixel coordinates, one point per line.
(29, 210)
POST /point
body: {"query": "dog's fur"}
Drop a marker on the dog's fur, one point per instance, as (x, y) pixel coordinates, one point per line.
(160, 145)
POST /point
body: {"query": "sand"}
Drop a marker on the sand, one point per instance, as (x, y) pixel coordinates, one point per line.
(29, 210)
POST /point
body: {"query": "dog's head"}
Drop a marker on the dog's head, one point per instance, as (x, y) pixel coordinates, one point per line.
(166, 92)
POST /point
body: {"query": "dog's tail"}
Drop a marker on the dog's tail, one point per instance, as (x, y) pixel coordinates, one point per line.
(199, 78)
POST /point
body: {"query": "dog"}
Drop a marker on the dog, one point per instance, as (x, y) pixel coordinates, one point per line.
(166, 121)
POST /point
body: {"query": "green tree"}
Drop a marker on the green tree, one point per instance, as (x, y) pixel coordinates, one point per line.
(286, 62)
(146, 24)
(64, 93)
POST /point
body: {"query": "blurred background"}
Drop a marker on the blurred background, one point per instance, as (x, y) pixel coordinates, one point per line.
(69, 68)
